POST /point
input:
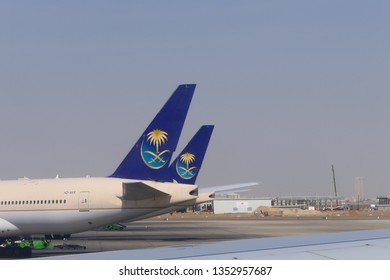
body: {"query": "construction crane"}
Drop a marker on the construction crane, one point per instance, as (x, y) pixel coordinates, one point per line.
(334, 184)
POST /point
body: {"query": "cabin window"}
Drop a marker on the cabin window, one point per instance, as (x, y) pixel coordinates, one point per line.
(26, 202)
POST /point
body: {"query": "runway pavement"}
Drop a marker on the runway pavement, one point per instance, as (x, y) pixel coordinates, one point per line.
(160, 232)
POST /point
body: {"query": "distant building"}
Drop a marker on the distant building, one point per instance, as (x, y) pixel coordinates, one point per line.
(384, 203)
(384, 200)
(239, 205)
(306, 202)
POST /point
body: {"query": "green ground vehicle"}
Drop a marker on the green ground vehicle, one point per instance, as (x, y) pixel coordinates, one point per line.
(22, 248)
(35, 244)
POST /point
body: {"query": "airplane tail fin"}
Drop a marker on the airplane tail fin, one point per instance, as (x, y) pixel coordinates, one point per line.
(149, 158)
(185, 168)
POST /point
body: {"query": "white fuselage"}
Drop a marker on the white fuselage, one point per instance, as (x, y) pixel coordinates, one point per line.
(65, 206)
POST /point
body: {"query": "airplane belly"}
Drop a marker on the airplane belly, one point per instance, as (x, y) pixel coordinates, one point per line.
(62, 221)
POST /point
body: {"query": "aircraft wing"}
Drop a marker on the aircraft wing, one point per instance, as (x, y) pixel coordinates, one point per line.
(352, 245)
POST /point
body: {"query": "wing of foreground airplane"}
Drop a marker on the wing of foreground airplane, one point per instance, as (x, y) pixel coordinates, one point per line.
(352, 245)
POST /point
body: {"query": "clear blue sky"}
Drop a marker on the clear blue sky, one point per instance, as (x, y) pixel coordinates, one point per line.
(292, 87)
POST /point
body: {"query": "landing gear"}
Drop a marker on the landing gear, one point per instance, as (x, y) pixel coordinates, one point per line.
(12, 249)
(57, 236)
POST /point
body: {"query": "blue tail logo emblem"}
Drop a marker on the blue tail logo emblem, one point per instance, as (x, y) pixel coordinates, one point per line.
(150, 149)
(184, 166)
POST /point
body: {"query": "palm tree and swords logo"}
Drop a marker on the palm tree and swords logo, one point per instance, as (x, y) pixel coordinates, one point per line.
(150, 149)
(184, 168)
(156, 159)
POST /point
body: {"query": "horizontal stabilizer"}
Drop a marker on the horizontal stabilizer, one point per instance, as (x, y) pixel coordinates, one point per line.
(140, 191)
(205, 197)
(228, 187)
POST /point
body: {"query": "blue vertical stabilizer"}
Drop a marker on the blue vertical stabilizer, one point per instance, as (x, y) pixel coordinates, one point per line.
(185, 168)
(150, 156)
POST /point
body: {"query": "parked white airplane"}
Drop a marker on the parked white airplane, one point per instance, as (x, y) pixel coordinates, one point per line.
(66, 206)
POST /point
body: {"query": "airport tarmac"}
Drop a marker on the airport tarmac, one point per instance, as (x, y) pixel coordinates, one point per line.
(164, 231)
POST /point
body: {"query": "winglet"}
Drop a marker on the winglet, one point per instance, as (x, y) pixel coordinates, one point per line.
(150, 156)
